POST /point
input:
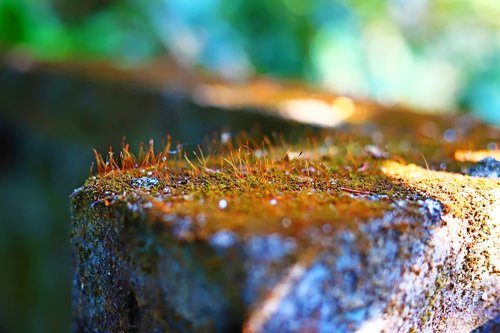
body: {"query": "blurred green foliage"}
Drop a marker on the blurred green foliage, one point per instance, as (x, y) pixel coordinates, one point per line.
(438, 55)
(60, 30)
(441, 54)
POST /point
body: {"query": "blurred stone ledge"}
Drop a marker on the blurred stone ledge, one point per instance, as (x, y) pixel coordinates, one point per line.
(340, 238)
(101, 102)
(89, 103)
(98, 99)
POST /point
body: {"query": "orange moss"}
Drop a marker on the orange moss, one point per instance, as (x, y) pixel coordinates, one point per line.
(314, 181)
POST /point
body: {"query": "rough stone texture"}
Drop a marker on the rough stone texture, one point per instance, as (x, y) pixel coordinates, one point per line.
(356, 240)
(146, 276)
(488, 167)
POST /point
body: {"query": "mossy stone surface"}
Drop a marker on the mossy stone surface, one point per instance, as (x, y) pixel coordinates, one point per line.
(369, 225)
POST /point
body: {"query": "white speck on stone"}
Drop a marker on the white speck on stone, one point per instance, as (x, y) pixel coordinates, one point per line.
(272, 247)
(327, 228)
(132, 207)
(259, 153)
(273, 202)
(76, 191)
(376, 152)
(286, 222)
(223, 239)
(225, 137)
(150, 173)
(145, 182)
(307, 287)
(450, 135)
(223, 204)
(373, 325)
(201, 219)
(434, 207)
(402, 203)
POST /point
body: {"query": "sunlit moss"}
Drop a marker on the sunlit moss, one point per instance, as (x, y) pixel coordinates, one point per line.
(332, 177)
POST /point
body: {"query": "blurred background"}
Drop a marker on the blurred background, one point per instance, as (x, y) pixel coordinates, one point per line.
(63, 91)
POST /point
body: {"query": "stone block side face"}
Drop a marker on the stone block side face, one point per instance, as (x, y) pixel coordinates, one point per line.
(465, 292)
(132, 275)
(397, 278)
(101, 292)
(100, 289)
(362, 281)
(183, 287)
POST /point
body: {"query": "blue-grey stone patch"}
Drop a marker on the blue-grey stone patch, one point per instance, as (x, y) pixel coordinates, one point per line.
(145, 182)
(488, 167)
